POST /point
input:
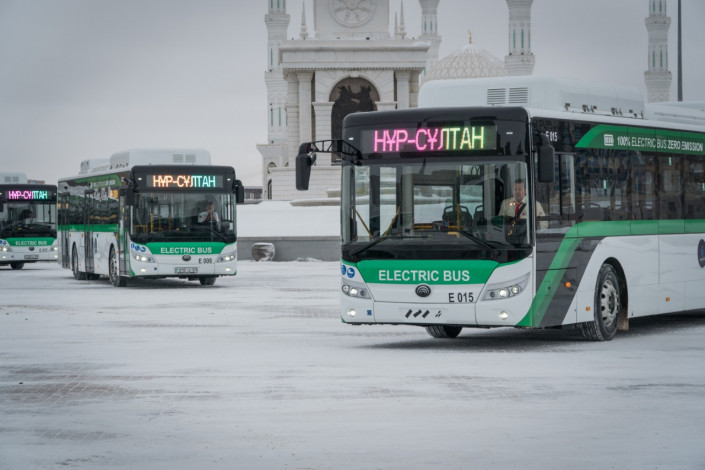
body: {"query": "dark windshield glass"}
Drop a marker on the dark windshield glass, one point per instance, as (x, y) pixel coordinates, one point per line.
(420, 209)
(178, 216)
(28, 219)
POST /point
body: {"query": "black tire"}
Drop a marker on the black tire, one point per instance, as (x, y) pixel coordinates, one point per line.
(114, 270)
(78, 275)
(609, 305)
(17, 264)
(443, 331)
(207, 281)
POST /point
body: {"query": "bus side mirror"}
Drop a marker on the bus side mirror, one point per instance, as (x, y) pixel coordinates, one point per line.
(239, 192)
(129, 196)
(304, 162)
(546, 160)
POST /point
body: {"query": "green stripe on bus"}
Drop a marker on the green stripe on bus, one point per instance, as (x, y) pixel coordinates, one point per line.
(31, 241)
(426, 271)
(620, 228)
(91, 228)
(641, 139)
(186, 248)
(549, 284)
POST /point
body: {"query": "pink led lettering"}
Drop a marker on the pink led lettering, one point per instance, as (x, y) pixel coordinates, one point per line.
(16, 195)
(430, 139)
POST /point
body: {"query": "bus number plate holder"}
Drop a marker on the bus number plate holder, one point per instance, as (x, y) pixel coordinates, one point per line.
(31, 256)
(185, 270)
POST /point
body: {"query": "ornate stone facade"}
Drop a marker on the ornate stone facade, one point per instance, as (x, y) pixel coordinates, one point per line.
(658, 77)
(352, 64)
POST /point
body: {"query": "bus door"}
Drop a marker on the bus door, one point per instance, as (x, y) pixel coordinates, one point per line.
(63, 232)
(88, 242)
(124, 215)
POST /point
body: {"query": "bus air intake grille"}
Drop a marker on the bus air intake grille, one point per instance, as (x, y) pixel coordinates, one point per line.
(496, 96)
(519, 95)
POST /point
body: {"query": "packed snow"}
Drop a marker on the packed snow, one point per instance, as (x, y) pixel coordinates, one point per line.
(258, 372)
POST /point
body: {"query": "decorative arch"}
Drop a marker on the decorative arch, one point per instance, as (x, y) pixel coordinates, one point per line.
(350, 95)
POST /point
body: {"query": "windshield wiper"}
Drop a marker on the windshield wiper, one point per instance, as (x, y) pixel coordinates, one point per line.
(476, 239)
(369, 245)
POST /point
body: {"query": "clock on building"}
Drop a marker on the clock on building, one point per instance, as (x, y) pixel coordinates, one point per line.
(352, 12)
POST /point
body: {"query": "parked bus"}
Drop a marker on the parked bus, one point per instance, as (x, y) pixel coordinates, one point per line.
(520, 201)
(150, 213)
(27, 221)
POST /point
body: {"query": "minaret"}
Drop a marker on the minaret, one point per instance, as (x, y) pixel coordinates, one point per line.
(429, 28)
(520, 60)
(658, 77)
(277, 22)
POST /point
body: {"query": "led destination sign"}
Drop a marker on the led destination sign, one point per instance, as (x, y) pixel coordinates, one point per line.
(27, 195)
(431, 139)
(184, 181)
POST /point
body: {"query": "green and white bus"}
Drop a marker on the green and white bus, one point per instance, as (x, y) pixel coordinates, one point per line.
(143, 213)
(27, 221)
(612, 225)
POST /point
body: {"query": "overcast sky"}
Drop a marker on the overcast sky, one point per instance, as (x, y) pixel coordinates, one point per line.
(84, 79)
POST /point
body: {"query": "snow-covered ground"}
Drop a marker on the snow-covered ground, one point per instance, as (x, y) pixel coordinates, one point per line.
(257, 372)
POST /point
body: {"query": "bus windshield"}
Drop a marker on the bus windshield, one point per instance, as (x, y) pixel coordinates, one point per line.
(180, 216)
(435, 209)
(28, 219)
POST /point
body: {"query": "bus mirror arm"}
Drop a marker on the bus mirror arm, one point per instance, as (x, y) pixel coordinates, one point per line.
(307, 157)
(546, 155)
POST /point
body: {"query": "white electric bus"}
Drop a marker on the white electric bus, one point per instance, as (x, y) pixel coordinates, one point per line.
(149, 213)
(27, 221)
(611, 224)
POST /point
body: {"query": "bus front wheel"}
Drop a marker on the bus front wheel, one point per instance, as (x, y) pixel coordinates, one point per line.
(115, 278)
(443, 331)
(207, 281)
(16, 265)
(609, 302)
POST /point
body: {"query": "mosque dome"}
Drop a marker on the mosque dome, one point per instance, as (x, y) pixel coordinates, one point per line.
(470, 61)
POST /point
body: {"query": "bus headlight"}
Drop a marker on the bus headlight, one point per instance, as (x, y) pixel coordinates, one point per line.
(355, 290)
(144, 258)
(226, 257)
(6, 249)
(506, 289)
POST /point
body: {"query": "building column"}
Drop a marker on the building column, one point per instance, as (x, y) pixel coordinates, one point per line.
(292, 116)
(322, 112)
(402, 78)
(414, 90)
(305, 102)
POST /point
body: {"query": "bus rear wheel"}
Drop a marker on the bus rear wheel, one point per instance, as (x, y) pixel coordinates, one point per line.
(443, 331)
(17, 265)
(609, 302)
(207, 281)
(115, 278)
(78, 275)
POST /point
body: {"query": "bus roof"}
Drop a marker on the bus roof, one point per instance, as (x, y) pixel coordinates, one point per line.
(549, 93)
(13, 178)
(129, 158)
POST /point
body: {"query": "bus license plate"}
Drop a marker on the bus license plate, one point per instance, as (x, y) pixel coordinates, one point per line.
(31, 256)
(181, 270)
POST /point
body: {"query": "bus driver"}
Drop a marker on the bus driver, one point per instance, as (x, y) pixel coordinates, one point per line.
(514, 206)
(209, 216)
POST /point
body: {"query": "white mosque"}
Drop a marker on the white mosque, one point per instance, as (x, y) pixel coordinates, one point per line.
(353, 62)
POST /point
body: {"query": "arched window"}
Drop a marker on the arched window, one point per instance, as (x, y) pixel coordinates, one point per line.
(350, 95)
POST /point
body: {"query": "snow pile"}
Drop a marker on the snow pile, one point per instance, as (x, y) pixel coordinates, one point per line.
(281, 219)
